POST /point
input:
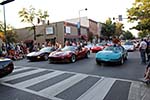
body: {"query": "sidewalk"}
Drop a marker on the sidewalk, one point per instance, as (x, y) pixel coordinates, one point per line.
(139, 91)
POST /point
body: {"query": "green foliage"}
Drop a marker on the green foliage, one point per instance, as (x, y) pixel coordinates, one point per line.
(119, 29)
(110, 29)
(140, 11)
(143, 34)
(10, 35)
(31, 15)
(128, 35)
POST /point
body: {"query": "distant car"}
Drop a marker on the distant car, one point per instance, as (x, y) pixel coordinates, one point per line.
(112, 54)
(129, 46)
(41, 54)
(89, 46)
(68, 54)
(98, 47)
(6, 66)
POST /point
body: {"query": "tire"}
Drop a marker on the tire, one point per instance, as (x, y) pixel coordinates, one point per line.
(87, 54)
(121, 62)
(49, 61)
(126, 58)
(73, 58)
(98, 62)
(45, 57)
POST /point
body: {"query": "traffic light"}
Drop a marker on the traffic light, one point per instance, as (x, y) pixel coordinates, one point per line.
(113, 18)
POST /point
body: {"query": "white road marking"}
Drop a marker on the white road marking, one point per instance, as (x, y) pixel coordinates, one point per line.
(99, 90)
(39, 79)
(63, 85)
(12, 77)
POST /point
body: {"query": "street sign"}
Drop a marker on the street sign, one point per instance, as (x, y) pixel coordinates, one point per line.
(78, 25)
(120, 17)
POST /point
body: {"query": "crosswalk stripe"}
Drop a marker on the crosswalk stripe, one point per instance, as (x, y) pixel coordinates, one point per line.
(99, 90)
(12, 77)
(20, 69)
(33, 92)
(39, 79)
(135, 92)
(63, 85)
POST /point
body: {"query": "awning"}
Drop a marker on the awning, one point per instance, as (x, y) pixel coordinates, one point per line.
(72, 36)
(28, 41)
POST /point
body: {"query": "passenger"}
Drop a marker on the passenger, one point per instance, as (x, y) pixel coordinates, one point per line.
(79, 46)
(67, 43)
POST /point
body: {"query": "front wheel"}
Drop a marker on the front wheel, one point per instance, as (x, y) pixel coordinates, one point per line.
(87, 54)
(121, 61)
(98, 62)
(73, 58)
(46, 57)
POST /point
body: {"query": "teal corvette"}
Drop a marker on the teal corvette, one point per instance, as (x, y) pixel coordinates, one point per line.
(112, 54)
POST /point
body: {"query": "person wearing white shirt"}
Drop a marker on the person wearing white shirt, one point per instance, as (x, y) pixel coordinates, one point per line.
(142, 49)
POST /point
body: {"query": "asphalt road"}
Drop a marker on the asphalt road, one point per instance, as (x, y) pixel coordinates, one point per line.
(82, 80)
(131, 69)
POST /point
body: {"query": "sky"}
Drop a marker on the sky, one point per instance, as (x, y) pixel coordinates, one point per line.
(61, 10)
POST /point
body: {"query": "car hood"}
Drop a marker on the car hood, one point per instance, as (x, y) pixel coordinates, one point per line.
(110, 54)
(128, 46)
(59, 53)
(4, 62)
(95, 47)
(35, 53)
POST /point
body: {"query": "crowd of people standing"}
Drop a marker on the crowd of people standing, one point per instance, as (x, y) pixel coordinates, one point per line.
(144, 49)
(19, 50)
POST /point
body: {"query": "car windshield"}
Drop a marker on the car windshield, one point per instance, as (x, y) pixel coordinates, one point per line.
(113, 48)
(46, 49)
(128, 43)
(100, 44)
(68, 48)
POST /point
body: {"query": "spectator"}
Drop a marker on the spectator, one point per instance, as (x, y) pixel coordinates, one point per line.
(147, 74)
(142, 49)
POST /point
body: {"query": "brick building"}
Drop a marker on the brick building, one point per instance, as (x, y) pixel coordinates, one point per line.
(59, 31)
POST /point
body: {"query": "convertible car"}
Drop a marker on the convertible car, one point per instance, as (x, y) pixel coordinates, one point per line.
(112, 54)
(129, 46)
(68, 54)
(6, 66)
(41, 54)
(98, 47)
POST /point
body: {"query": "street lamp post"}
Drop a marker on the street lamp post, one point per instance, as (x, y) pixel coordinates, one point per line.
(79, 23)
(3, 3)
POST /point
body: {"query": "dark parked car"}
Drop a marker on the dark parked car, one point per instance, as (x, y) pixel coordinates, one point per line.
(41, 54)
(68, 54)
(6, 66)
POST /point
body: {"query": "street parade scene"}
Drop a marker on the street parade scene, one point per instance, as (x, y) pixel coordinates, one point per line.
(78, 57)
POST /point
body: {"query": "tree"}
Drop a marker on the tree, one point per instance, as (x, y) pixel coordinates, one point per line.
(119, 29)
(108, 28)
(140, 12)
(11, 35)
(32, 17)
(128, 35)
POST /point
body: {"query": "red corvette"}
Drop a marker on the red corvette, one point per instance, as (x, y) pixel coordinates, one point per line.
(68, 54)
(98, 47)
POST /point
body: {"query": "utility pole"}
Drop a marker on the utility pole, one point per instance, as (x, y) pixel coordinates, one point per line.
(3, 3)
